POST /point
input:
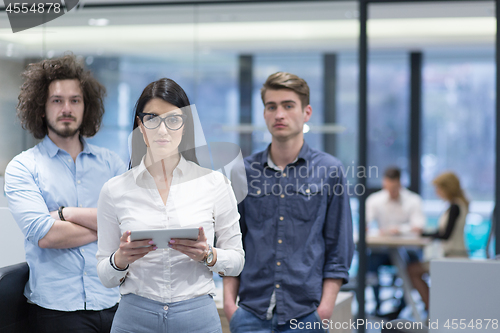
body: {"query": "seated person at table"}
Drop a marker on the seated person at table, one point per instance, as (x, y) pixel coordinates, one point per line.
(450, 229)
(397, 211)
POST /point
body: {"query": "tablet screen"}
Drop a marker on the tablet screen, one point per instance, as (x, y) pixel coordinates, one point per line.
(161, 237)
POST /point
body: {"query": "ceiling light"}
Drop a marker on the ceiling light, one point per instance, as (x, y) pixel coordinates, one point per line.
(100, 22)
(306, 128)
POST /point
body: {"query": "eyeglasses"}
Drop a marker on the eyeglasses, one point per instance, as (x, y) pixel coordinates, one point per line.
(152, 121)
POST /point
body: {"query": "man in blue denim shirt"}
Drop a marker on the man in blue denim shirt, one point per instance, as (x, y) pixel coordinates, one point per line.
(53, 189)
(296, 224)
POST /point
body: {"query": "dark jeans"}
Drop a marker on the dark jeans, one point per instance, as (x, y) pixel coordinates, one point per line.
(244, 321)
(85, 321)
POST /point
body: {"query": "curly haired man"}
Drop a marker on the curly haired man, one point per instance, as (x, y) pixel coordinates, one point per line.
(53, 189)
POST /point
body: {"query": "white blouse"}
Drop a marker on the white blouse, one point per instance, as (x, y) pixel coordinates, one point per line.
(198, 197)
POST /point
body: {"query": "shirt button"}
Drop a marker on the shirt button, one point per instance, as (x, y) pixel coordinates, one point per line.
(258, 192)
(280, 241)
(83, 250)
(84, 273)
(282, 196)
(80, 205)
(281, 218)
(165, 307)
(278, 263)
(69, 160)
(284, 174)
(277, 286)
(308, 190)
(79, 181)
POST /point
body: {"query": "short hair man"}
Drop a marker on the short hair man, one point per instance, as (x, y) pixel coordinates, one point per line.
(52, 190)
(396, 211)
(296, 229)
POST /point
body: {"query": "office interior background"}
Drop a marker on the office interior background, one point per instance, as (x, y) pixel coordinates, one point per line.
(221, 53)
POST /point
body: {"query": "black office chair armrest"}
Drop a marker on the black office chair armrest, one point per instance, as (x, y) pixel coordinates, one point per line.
(13, 304)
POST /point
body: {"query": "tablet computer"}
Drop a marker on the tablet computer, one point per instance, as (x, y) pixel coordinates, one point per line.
(161, 237)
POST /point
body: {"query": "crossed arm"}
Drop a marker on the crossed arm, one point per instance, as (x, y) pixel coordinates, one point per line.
(31, 213)
(80, 228)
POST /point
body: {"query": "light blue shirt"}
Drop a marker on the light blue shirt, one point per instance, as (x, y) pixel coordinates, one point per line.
(40, 180)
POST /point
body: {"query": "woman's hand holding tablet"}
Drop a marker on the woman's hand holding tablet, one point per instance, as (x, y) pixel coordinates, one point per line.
(131, 250)
(194, 249)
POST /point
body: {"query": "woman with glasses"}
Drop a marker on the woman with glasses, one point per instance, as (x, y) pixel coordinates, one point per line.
(167, 289)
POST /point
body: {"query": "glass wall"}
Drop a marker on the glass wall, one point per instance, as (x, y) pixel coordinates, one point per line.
(458, 101)
(198, 46)
(459, 136)
(388, 115)
(459, 122)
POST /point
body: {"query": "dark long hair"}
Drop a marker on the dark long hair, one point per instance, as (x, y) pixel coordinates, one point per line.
(169, 91)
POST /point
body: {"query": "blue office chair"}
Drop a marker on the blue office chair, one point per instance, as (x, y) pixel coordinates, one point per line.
(13, 304)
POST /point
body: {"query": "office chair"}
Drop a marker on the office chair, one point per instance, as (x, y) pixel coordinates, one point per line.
(13, 304)
(384, 275)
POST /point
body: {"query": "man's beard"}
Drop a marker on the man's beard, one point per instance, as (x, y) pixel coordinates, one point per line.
(66, 132)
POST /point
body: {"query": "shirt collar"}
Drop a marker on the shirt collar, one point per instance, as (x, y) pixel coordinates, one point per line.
(53, 149)
(141, 171)
(403, 192)
(304, 154)
(87, 149)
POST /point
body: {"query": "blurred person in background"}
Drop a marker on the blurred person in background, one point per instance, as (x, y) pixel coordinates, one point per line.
(450, 230)
(392, 211)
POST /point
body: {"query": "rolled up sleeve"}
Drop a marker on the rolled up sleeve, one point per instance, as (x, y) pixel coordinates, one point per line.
(26, 202)
(339, 244)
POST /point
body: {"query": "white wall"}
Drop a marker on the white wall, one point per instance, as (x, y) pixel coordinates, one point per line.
(12, 141)
(12, 137)
(11, 240)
